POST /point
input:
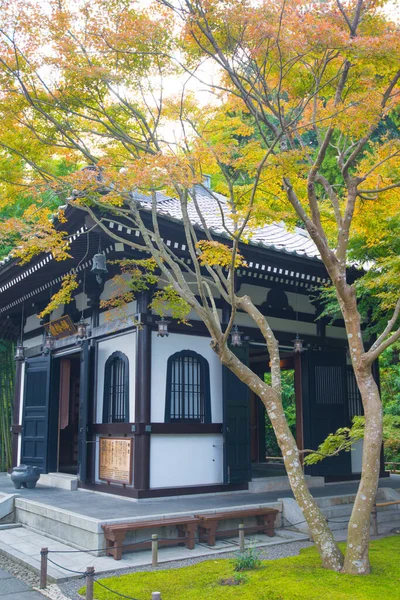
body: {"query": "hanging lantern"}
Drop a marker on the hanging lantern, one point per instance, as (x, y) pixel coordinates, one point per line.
(163, 328)
(82, 329)
(99, 267)
(236, 337)
(297, 344)
(20, 352)
(48, 343)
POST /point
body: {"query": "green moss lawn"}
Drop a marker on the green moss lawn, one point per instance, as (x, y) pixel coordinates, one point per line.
(295, 578)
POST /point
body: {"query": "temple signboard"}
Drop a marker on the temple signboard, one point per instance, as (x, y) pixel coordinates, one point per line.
(116, 460)
(60, 328)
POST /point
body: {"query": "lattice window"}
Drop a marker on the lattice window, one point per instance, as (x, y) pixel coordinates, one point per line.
(188, 389)
(116, 389)
(329, 385)
(353, 394)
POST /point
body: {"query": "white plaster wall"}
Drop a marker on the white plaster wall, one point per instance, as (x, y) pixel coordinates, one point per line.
(279, 325)
(257, 293)
(32, 322)
(336, 332)
(124, 343)
(56, 314)
(162, 348)
(35, 341)
(111, 288)
(129, 310)
(81, 301)
(184, 460)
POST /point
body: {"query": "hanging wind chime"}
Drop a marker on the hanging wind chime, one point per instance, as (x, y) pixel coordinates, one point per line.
(20, 349)
(297, 342)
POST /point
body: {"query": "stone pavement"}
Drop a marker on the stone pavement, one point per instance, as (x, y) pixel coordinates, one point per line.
(12, 588)
(24, 545)
(107, 506)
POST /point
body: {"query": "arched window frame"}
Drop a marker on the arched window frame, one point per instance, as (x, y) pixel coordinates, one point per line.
(205, 399)
(108, 385)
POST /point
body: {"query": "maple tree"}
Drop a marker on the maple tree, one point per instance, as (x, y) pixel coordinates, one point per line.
(295, 130)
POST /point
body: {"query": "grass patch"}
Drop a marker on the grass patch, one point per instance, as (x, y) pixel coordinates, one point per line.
(295, 578)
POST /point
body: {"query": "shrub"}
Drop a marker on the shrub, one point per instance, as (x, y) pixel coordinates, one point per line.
(247, 560)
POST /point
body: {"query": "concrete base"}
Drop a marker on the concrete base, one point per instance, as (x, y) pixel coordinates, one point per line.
(7, 507)
(86, 533)
(59, 480)
(280, 483)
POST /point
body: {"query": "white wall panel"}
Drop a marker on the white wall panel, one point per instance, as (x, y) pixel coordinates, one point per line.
(336, 332)
(184, 460)
(279, 325)
(123, 343)
(162, 349)
(32, 322)
(35, 341)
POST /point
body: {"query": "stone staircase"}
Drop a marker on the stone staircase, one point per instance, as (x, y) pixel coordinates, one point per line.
(337, 510)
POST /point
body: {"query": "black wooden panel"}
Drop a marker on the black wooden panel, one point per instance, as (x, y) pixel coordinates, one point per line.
(84, 389)
(36, 412)
(325, 407)
(236, 428)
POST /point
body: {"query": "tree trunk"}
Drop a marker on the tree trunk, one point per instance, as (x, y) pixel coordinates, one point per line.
(330, 554)
(357, 560)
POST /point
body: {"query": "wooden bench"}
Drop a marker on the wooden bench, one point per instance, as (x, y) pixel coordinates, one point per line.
(208, 524)
(115, 534)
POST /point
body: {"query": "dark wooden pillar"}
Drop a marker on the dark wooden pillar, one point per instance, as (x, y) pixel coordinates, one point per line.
(93, 293)
(142, 397)
(298, 394)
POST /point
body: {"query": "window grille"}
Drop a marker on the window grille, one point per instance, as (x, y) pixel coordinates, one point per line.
(116, 389)
(353, 394)
(188, 389)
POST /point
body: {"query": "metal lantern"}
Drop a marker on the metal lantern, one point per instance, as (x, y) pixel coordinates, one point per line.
(48, 343)
(297, 344)
(20, 352)
(82, 329)
(236, 337)
(99, 267)
(162, 328)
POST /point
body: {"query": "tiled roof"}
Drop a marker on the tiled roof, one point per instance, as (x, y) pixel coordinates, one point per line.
(211, 205)
(274, 236)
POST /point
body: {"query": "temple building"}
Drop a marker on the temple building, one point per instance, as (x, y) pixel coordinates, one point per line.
(110, 400)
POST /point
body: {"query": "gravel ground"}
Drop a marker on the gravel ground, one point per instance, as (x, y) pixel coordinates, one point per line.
(70, 588)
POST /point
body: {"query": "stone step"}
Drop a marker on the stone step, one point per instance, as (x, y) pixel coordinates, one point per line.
(280, 483)
(343, 510)
(59, 480)
(391, 516)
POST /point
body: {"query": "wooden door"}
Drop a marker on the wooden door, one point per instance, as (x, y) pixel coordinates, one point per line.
(35, 422)
(325, 407)
(236, 409)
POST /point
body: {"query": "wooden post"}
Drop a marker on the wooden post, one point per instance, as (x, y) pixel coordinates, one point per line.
(154, 550)
(43, 568)
(241, 537)
(156, 596)
(375, 521)
(89, 583)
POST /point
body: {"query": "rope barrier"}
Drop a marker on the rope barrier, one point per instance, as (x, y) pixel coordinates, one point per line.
(82, 573)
